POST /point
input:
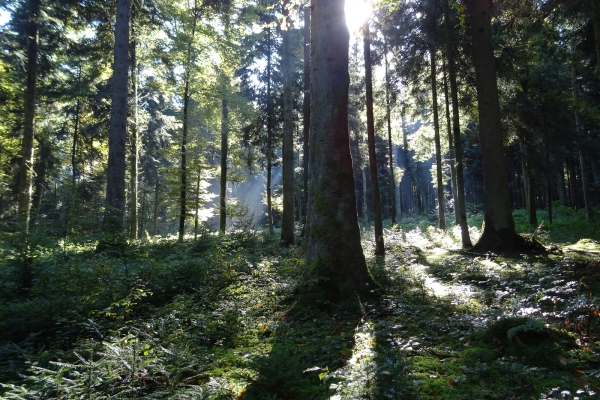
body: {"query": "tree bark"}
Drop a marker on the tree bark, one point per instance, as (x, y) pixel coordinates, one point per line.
(287, 216)
(388, 118)
(306, 112)
(438, 146)
(589, 212)
(269, 135)
(224, 155)
(197, 206)
(133, 137)
(376, 196)
(115, 185)
(450, 146)
(335, 260)
(499, 233)
(41, 169)
(459, 201)
(155, 213)
(184, 132)
(27, 149)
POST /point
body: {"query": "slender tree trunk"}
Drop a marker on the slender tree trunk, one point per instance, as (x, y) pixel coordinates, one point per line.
(224, 155)
(27, 149)
(306, 112)
(376, 196)
(73, 197)
(133, 227)
(269, 135)
(142, 219)
(582, 159)
(184, 133)
(41, 169)
(499, 232)
(562, 189)
(459, 201)
(548, 169)
(365, 206)
(287, 216)
(115, 185)
(197, 206)
(155, 213)
(334, 255)
(450, 145)
(388, 117)
(438, 146)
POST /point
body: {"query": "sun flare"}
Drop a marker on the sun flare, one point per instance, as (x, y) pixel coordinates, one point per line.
(357, 12)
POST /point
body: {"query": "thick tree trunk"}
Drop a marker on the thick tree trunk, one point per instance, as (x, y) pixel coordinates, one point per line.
(334, 255)
(438, 146)
(376, 196)
(306, 112)
(224, 155)
(499, 231)
(269, 135)
(133, 137)
(115, 185)
(459, 201)
(388, 117)
(26, 173)
(183, 188)
(287, 216)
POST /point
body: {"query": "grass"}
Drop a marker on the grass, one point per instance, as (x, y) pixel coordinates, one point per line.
(221, 318)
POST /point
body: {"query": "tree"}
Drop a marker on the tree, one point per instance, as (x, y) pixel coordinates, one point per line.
(334, 255)
(376, 196)
(456, 150)
(438, 146)
(115, 185)
(287, 217)
(499, 232)
(306, 113)
(26, 178)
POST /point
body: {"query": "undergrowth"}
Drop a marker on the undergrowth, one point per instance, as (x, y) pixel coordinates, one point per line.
(222, 317)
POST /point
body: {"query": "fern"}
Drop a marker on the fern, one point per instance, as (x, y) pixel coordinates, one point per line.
(531, 325)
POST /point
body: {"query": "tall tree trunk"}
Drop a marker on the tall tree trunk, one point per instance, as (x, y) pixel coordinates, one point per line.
(589, 212)
(26, 173)
(287, 216)
(459, 201)
(388, 117)
(306, 112)
(450, 145)
(133, 137)
(438, 146)
(115, 185)
(41, 169)
(562, 189)
(364, 190)
(499, 232)
(155, 213)
(184, 132)
(334, 255)
(197, 206)
(224, 155)
(376, 196)
(269, 135)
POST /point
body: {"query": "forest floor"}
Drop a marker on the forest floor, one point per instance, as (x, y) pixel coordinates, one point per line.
(222, 318)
